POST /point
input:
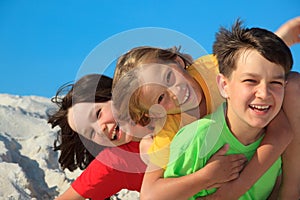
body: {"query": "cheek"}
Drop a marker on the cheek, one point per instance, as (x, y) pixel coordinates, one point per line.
(157, 111)
(239, 94)
(280, 96)
(102, 142)
(140, 131)
(169, 108)
(170, 103)
(107, 115)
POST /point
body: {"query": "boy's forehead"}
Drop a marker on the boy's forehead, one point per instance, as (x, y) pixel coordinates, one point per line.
(252, 61)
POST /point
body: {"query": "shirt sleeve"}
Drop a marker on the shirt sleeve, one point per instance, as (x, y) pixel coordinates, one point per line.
(98, 181)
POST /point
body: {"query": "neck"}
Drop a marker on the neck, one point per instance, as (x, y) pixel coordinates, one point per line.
(199, 111)
(136, 139)
(245, 133)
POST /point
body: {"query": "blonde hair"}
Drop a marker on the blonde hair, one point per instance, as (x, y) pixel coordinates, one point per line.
(146, 54)
(127, 87)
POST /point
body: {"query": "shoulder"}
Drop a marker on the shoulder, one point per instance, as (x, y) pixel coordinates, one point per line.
(191, 133)
(209, 60)
(197, 131)
(123, 158)
(205, 62)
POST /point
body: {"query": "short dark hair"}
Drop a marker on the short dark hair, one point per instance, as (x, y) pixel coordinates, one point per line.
(230, 43)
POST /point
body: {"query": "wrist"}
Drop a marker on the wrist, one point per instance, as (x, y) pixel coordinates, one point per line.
(204, 178)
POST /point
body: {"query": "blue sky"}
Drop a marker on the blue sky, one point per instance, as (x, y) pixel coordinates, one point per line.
(44, 44)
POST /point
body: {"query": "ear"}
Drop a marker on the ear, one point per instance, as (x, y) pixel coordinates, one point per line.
(222, 82)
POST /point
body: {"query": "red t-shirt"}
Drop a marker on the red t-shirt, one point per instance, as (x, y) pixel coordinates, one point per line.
(113, 169)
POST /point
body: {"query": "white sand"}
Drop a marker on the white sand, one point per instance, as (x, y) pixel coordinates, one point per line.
(28, 165)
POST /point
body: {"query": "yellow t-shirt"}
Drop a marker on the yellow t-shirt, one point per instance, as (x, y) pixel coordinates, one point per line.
(204, 70)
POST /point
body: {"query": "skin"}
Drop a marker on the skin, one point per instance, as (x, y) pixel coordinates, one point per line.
(175, 90)
(290, 188)
(172, 89)
(257, 119)
(89, 114)
(255, 85)
(98, 118)
(95, 121)
(285, 129)
(254, 94)
(271, 147)
(289, 32)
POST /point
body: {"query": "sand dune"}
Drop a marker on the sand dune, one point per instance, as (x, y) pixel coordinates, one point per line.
(28, 164)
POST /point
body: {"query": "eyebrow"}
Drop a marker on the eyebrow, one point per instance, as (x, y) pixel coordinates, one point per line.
(279, 76)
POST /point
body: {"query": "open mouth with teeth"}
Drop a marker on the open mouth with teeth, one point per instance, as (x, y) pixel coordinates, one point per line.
(115, 133)
(259, 108)
(186, 95)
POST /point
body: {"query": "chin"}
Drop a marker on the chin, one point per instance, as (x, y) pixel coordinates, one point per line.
(259, 125)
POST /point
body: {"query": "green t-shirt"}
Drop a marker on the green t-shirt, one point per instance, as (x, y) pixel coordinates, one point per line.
(197, 142)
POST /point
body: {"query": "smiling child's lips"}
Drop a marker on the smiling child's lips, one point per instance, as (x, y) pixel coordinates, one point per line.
(114, 134)
(260, 107)
(186, 96)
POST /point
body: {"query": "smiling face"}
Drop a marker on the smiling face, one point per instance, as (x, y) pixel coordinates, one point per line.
(170, 87)
(254, 92)
(95, 121)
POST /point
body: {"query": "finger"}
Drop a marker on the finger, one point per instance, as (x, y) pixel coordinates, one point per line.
(223, 150)
(237, 157)
(239, 167)
(234, 176)
(216, 185)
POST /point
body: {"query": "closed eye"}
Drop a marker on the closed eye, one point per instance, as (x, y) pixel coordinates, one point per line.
(98, 113)
(278, 82)
(250, 80)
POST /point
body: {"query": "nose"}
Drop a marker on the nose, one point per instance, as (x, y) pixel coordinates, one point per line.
(173, 95)
(103, 126)
(99, 126)
(262, 91)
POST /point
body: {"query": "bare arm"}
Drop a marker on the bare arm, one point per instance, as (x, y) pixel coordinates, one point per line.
(145, 144)
(289, 32)
(277, 138)
(218, 170)
(271, 148)
(275, 192)
(291, 160)
(70, 193)
(279, 133)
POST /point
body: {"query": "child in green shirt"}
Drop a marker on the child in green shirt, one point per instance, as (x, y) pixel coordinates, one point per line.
(253, 65)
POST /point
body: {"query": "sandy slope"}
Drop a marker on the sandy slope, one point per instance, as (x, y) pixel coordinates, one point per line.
(28, 165)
